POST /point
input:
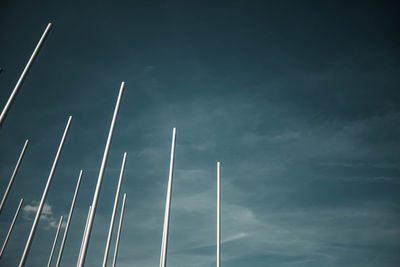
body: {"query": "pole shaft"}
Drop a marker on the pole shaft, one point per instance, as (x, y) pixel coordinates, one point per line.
(121, 218)
(218, 214)
(21, 155)
(22, 77)
(55, 242)
(100, 178)
(114, 211)
(11, 227)
(43, 199)
(164, 242)
(71, 210)
(84, 234)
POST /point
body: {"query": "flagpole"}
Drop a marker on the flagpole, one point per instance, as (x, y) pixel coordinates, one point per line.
(164, 242)
(84, 234)
(71, 210)
(43, 199)
(114, 211)
(11, 227)
(121, 217)
(22, 77)
(100, 179)
(13, 175)
(218, 214)
(55, 242)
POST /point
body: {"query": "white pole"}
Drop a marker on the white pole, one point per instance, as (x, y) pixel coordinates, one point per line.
(71, 210)
(84, 234)
(121, 217)
(22, 77)
(11, 227)
(55, 242)
(164, 242)
(21, 155)
(114, 211)
(218, 214)
(100, 179)
(39, 210)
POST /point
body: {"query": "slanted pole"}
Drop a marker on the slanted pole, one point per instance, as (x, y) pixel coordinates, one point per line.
(218, 214)
(121, 217)
(114, 211)
(21, 155)
(55, 242)
(43, 199)
(100, 179)
(11, 227)
(22, 77)
(71, 210)
(84, 234)
(164, 242)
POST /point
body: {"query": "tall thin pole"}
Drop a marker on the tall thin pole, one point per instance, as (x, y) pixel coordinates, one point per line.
(71, 210)
(84, 234)
(114, 211)
(121, 217)
(218, 214)
(100, 178)
(22, 77)
(164, 242)
(39, 210)
(55, 242)
(11, 227)
(21, 155)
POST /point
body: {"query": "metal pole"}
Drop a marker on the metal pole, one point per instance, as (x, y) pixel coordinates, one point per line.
(121, 217)
(164, 242)
(84, 234)
(71, 210)
(11, 227)
(218, 214)
(21, 155)
(39, 210)
(22, 77)
(114, 211)
(55, 242)
(100, 178)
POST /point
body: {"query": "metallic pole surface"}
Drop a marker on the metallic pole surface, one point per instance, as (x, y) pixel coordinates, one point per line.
(84, 234)
(164, 242)
(21, 155)
(71, 210)
(114, 211)
(121, 217)
(11, 227)
(218, 214)
(100, 179)
(55, 242)
(22, 77)
(43, 199)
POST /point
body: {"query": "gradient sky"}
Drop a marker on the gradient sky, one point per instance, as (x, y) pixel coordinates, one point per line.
(299, 100)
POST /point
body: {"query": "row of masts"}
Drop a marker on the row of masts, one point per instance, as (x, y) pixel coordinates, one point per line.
(92, 208)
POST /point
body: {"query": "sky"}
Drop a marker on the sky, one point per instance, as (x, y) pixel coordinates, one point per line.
(299, 100)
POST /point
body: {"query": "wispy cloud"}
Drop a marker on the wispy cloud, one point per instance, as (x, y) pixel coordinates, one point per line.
(47, 215)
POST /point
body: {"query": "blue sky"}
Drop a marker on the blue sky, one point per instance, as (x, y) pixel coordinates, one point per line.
(299, 100)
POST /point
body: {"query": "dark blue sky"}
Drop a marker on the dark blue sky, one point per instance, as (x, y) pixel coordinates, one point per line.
(299, 100)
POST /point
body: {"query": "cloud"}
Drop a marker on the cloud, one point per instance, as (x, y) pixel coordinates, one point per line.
(47, 215)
